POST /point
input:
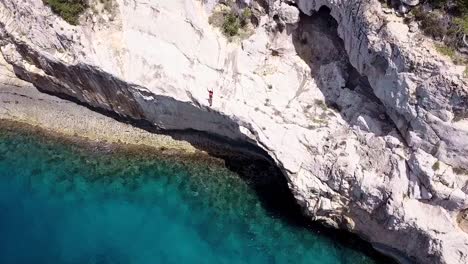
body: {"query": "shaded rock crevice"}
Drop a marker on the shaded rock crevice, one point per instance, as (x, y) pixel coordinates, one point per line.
(317, 42)
(396, 70)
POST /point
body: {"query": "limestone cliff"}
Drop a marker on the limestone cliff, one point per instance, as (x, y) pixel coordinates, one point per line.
(368, 123)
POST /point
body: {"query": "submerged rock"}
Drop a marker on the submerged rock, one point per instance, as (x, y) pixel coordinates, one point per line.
(353, 107)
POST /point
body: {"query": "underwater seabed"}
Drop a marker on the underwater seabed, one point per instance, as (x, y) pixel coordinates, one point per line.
(63, 203)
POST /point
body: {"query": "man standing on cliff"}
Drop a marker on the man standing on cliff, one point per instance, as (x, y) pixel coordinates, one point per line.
(210, 97)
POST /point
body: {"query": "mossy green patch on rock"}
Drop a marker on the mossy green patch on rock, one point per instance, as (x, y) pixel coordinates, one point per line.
(232, 21)
(231, 25)
(453, 55)
(69, 10)
(445, 50)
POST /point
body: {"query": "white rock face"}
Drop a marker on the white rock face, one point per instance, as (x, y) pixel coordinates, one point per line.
(368, 123)
(410, 2)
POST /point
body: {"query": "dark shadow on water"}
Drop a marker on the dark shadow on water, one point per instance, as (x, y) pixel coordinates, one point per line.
(272, 189)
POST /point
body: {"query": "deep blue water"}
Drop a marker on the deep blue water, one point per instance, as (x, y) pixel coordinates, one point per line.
(63, 204)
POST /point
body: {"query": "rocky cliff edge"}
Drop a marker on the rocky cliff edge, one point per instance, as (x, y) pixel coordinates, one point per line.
(368, 123)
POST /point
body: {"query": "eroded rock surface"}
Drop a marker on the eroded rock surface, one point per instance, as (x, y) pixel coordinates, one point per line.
(368, 123)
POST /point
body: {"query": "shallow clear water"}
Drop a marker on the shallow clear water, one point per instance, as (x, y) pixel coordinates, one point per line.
(64, 204)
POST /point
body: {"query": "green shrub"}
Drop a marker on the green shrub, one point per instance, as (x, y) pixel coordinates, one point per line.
(445, 50)
(462, 24)
(461, 6)
(233, 22)
(245, 16)
(438, 3)
(432, 26)
(231, 25)
(452, 53)
(436, 166)
(449, 31)
(69, 10)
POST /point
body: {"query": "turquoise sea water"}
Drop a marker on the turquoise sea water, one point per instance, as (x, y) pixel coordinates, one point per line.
(65, 204)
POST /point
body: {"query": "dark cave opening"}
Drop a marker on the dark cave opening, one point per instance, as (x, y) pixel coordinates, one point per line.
(318, 43)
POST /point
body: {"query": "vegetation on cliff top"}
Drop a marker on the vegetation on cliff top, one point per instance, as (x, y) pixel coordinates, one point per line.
(460, 6)
(446, 21)
(233, 21)
(69, 10)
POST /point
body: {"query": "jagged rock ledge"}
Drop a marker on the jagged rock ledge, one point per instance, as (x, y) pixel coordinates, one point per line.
(27, 110)
(368, 123)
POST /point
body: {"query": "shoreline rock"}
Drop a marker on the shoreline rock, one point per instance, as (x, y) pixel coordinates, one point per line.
(28, 106)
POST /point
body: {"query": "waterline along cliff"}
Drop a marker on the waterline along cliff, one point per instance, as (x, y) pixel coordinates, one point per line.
(365, 118)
